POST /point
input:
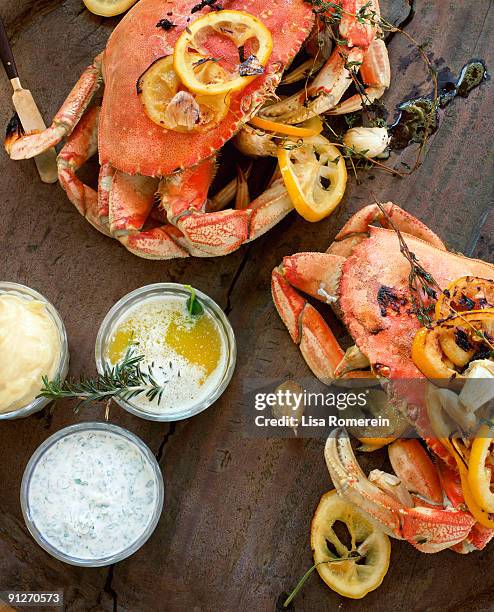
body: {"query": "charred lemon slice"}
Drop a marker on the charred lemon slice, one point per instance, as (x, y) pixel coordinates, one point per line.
(315, 176)
(464, 294)
(364, 561)
(221, 52)
(312, 127)
(444, 350)
(108, 8)
(171, 106)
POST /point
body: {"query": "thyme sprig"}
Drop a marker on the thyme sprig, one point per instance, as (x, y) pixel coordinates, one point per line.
(424, 289)
(125, 380)
(355, 556)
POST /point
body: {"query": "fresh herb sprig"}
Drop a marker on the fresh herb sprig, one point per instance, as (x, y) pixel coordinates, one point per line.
(125, 380)
(194, 306)
(424, 290)
(331, 14)
(353, 556)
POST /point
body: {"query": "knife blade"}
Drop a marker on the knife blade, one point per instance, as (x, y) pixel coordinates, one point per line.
(27, 110)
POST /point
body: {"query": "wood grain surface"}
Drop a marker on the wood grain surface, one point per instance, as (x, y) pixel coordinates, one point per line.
(234, 531)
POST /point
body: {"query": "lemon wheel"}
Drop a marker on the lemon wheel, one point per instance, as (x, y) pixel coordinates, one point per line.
(315, 176)
(365, 560)
(158, 88)
(108, 8)
(221, 52)
(436, 352)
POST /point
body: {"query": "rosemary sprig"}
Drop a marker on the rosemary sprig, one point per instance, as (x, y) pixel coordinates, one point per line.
(352, 557)
(125, 380)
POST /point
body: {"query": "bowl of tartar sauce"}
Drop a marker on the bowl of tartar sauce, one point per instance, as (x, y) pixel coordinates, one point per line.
(33, 344)
(92, 494)
(192, 355)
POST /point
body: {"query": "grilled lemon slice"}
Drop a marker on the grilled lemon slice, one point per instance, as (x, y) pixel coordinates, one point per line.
(365, 560)
(171, 106)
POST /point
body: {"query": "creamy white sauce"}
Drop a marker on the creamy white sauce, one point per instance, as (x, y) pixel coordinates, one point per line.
(92, 494)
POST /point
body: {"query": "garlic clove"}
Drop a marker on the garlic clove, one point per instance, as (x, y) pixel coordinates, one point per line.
(370, 141)
(479, 384)
(451, 403)
(183, 111)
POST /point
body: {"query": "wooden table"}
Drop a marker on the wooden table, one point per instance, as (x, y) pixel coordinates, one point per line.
(234, 532)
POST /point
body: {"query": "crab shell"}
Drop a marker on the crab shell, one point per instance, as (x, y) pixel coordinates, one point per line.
(362, 263)
(128, 139)
(365, 270)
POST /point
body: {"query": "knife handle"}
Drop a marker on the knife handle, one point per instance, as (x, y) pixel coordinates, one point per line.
(6, 54)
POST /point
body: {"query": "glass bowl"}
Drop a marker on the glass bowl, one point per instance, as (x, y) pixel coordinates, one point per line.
(142, 294)
(27, 293)
(30, 470)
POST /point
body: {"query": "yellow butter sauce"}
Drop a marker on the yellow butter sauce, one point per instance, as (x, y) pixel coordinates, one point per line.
(184, 350)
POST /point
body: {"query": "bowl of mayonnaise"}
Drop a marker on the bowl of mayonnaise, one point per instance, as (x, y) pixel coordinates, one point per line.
(33, 344)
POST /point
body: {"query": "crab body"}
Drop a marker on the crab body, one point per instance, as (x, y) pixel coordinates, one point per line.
(366, 277)
(173, 218)
(128, 139)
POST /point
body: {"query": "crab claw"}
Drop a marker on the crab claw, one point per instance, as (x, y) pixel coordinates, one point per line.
(415, 469)
(352, 484)
(428, 529)
(317, 274)
(307, 328)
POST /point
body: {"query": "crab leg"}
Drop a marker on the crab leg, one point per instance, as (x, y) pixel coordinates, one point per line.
(184, 197)
(317, 274)
(412, 465)
(81, 145)
(157, 243)
(375, 72)
(130, 202)
(105, 182)
(115, 197)
(193, 230)
(256, 143)
(230, 191)
(428, 529)
(360, 51)
(306, 326)
(357, 228)
(32, 144)
(323, 94)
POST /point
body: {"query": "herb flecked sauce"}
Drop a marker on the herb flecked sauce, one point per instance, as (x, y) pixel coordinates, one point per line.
(92, 494)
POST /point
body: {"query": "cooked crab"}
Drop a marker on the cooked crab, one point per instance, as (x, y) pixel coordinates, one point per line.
(180, 79)
(366, 277)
